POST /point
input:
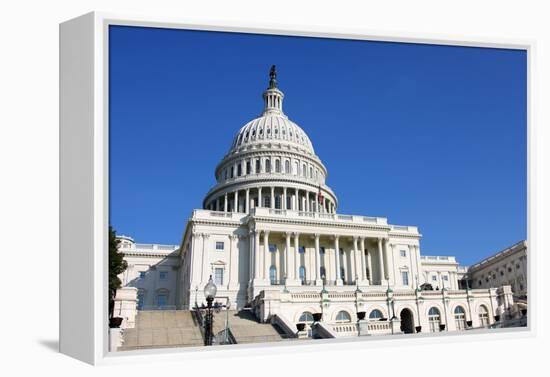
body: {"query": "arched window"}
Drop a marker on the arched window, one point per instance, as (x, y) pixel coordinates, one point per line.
(434, 318)
(268, 166)
(306, 317)
(483, 316)
(304, 170)
(460, 318)
(273, 275)
(277, 166)
(343, 316)
(296, 170)
(287, 167)
(258, 166)
(310, 172)
(375, 315)
(302, 273)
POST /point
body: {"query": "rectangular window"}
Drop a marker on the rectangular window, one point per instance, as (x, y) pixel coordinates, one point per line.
(302, 249)
(218, 276)
(445, 277)
(267, 202)
(219, 245)
(232, 171)
(248, 167)
(239, 170)
(163, 275)
(405, 277)
(403, 253)
(434, 278)
(272, 247)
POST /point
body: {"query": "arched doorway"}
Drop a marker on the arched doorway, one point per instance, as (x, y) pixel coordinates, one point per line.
(407, 321)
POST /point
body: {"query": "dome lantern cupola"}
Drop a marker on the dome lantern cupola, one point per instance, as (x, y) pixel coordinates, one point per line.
(273, 97)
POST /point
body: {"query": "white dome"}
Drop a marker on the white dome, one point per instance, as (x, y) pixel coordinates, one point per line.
(272, 128)
(273, 154)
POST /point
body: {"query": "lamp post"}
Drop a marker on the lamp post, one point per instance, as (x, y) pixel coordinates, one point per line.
(210, 290)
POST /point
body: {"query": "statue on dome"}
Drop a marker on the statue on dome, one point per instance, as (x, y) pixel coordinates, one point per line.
(272, 77)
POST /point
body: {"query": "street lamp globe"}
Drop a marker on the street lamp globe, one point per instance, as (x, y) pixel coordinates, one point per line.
(210, 289)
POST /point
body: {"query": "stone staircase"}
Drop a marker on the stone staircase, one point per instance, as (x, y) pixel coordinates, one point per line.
(245, 327)
(162, 328)
(177, 328)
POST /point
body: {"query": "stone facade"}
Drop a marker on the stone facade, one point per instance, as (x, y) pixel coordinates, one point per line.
(271, 238)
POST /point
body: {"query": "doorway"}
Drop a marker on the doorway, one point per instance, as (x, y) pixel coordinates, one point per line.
(407, 321)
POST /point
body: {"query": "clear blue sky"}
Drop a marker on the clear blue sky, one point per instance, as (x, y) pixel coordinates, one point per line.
(425, 135)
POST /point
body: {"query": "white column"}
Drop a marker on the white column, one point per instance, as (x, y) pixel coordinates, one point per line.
(357, 274)
(295, 202)
(283, 204)
(388, 259)
(257, 254)
(267, 259)
(260, 197)
(337, 257)
(225, 203)
(272, 202)
(363, 267)
(247, 203)
(206, 268)
(297, 255)
(251, 256)
(196, 259)
(369, 261)
(235, 201)
(233, 280)
(381, 261)
(307, 202)
(289, 273)
(421, 276)
(317, 276)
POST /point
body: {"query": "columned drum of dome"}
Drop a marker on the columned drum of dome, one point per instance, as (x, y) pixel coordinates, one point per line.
(271, 163)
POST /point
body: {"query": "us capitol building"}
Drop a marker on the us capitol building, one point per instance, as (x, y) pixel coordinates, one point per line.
(270, 236)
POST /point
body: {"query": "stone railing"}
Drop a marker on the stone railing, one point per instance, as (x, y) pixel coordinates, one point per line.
(345, 329)
(379, 327)
(217, 215)
(438, 258)
(382, 221)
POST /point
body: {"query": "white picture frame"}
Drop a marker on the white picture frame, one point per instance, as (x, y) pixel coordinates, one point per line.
(84, 183)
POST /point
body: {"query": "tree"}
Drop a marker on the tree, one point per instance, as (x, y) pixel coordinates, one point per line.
(117, 265)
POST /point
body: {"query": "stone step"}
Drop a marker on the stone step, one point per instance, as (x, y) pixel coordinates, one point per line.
(162, 328)
(245, 327)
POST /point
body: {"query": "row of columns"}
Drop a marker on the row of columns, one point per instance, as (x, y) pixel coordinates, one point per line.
(307, 202)
(260, 259)
(269, 165)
